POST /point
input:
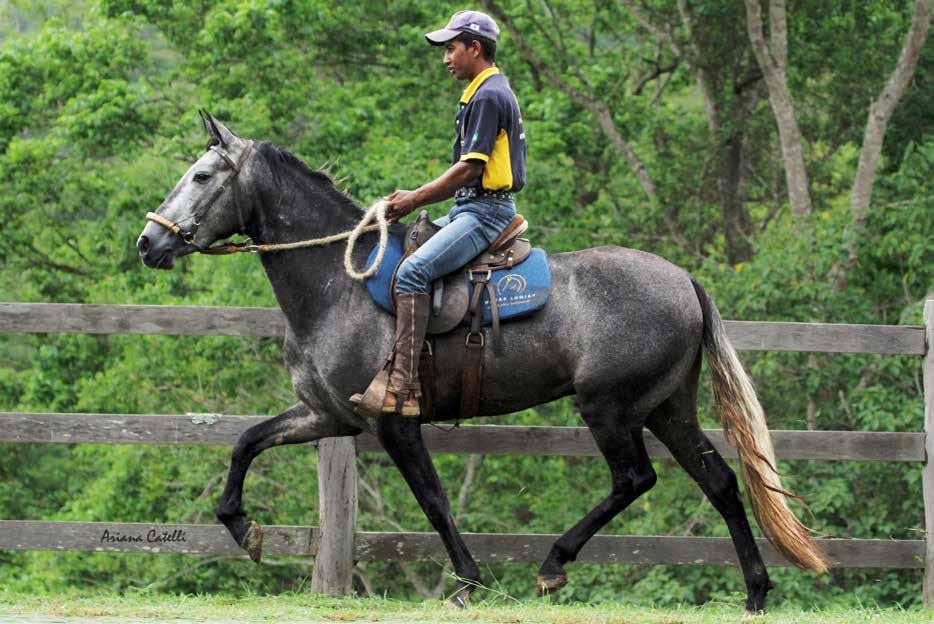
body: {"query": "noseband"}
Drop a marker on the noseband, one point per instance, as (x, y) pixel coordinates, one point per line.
(198, 214)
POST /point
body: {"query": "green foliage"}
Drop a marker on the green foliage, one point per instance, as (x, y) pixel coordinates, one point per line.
(97, 121)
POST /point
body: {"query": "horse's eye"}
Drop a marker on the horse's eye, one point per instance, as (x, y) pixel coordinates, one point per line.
(202, 177)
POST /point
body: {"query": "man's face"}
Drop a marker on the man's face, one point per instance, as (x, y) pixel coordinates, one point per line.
(459, 59)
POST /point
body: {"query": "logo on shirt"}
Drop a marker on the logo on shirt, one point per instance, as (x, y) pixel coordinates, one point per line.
(473, 141)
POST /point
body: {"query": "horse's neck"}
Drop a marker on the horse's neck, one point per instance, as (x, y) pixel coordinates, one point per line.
(305, 281)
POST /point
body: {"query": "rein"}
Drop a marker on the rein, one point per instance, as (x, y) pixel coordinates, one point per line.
(376, 211)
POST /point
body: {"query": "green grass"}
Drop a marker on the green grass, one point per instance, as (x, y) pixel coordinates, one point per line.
(310, 608)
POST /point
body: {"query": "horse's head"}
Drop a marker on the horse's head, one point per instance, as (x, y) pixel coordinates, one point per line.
(206, 204)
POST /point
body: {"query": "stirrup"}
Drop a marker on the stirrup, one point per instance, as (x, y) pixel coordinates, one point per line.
(370, 403)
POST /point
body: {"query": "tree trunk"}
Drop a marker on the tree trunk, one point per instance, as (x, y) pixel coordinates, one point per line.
(880, 111)
(728, 135)
(732, 178)
(733, 206)
(772, 60)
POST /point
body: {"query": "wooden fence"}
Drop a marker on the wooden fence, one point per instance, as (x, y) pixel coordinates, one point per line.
(336, 544)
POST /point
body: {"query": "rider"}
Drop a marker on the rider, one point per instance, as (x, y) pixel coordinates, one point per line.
(488, 167)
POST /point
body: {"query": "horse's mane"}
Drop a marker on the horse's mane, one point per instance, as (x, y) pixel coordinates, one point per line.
(279, 157)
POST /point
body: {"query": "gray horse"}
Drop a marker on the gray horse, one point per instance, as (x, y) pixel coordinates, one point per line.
(624, 332)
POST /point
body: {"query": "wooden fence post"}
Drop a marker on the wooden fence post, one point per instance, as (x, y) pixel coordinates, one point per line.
(337, 499)
(928, 475)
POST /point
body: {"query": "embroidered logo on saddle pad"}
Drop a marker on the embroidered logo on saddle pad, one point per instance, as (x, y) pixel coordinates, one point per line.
(520, 290)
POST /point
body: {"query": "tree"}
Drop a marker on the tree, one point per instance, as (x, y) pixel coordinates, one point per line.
(773, 60)
(880, 112)
(713, 48)
(577, 87)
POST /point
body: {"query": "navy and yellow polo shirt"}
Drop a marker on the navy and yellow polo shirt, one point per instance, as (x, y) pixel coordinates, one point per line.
(489, 128)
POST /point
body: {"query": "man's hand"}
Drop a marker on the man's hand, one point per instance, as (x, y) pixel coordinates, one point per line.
(401, 203)
(459, 174)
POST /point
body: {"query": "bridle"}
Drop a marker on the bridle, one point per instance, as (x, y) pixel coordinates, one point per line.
(201, 211)
(376, 212)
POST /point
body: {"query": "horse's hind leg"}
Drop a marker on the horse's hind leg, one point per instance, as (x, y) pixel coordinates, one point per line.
(631, 476)
(293, 426)
(401, 436)
(675, 424)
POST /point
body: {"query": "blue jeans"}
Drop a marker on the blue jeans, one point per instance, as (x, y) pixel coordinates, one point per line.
(469, 229)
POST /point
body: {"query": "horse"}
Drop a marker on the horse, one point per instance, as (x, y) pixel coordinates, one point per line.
(624, 331)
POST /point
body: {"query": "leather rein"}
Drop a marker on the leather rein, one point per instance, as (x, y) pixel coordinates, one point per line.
(376, 211)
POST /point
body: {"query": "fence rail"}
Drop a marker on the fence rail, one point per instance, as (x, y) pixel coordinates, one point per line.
(87, 318)
(217, 429)
(214, 540)
(333, 544)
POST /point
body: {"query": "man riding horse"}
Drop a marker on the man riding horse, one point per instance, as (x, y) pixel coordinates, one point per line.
(488, 167)
(627, 337)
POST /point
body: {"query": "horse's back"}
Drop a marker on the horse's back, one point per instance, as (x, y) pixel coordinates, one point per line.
(633, 316)
(630, 285)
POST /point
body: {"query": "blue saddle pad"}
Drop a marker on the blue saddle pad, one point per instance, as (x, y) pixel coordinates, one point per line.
(520, 290)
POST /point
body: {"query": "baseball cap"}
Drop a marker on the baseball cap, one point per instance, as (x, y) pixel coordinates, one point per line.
(474, 22)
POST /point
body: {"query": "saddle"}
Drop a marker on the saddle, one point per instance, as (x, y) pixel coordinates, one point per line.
(508, 280)
(453, 300)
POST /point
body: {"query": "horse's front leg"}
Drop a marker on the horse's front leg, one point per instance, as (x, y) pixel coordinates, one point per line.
(293, 426)
(401, 436)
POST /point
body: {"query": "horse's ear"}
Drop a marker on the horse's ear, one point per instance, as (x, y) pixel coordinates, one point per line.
(204, 121)
(223, 133)
(214, 129)
(210, 128)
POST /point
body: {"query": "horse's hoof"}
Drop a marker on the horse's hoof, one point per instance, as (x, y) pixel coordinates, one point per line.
(253, 542)
(755, 601)
(754, 610)
(545, 585)
(459, 601)
(356, 398)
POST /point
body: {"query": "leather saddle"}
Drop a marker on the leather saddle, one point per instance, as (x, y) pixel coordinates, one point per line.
(451, 295)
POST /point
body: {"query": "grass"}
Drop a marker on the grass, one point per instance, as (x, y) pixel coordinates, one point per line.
(295, 607)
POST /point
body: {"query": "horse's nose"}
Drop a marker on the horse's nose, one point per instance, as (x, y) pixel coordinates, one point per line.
(143, 245)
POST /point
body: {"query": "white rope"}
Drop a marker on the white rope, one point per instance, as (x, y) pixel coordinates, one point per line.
(376, 211)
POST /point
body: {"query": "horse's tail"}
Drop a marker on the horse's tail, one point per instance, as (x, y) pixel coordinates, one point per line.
(744, 424)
